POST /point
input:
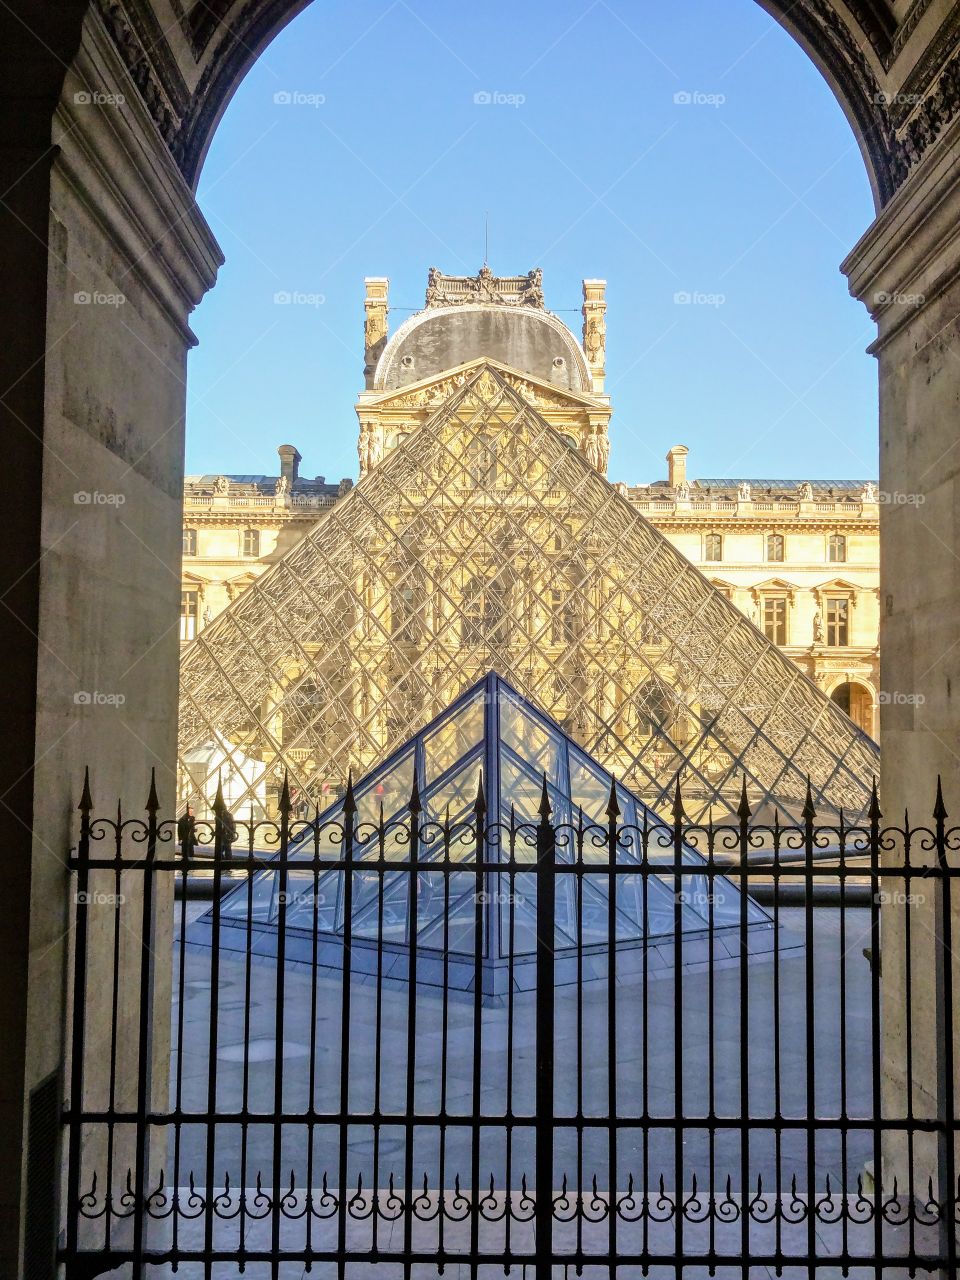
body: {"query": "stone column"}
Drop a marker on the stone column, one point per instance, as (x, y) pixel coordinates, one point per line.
(906, 270)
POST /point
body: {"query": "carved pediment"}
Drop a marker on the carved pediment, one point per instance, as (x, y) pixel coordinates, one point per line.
(431, 394)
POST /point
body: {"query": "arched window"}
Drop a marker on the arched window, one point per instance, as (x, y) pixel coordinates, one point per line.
(837, 548)
(713, 547)
(775, 546)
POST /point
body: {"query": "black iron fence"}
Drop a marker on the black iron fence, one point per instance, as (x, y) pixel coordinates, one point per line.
(688, 1049)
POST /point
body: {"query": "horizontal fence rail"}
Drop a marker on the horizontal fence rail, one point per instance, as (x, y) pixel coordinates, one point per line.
(512, 1042)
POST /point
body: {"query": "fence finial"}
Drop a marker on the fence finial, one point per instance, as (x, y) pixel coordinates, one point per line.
(480, 804)
(873, 812)
(939, 808)
(219, 804)
(544, 799)
(349, 800)
(743, 808)
(153, 800)
(809, 811)
(677, 810)
(86, 799)
(284, 805)
(613, 805)
(415, 806)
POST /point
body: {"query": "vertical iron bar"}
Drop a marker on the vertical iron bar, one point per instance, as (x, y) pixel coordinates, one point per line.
(544, 1132)
(219, 847)
(743, 814)
(678, 904)
(284, 880)
(809, 814)
(947, 1172)
(78, 1035)
(413, 900)
(476, 1103)
(613, 813)
(875, 1029)
(145, 1031)
(349, 816)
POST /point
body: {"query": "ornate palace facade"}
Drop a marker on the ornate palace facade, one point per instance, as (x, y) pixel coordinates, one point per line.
(799, 558)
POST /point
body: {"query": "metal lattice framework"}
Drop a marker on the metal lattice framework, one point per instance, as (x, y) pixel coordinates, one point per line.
(485, 542)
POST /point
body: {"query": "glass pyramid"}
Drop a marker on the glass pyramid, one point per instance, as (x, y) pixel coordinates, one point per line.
(490, 732)
(486, 542)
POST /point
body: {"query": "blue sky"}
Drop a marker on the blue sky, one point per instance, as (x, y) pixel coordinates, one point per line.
(383, 163)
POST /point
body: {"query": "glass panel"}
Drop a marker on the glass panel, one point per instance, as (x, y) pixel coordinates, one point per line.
(530, 740)
(453, 739)
(392, 790)
(458, 794)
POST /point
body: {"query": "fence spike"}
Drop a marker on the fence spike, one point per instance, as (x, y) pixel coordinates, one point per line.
(874, 811)
(480, 804)
(349, 800)
(415, 806)
(153, 800)
(939, 808)
(743, 808)
(544, 799)
(284, 804)
(613, 807)
(677, 809)
(809, 811)
(86, 799)
(219, 804)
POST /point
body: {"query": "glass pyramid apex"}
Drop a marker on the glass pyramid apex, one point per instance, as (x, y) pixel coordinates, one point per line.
(485, 541)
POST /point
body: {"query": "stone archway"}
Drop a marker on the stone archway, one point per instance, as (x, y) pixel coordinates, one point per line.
(856, 701)
(101, 204)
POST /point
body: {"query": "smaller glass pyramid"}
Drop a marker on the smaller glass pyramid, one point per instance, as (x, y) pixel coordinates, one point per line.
(489, 733)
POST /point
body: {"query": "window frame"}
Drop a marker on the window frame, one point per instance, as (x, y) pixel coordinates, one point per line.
(778, 540)
(251, 535)
(838, 540)
(833, 630)
(709, 539)
(191, 542)
(186, 617)
(775, 624)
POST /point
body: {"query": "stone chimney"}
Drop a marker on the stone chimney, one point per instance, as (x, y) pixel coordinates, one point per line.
(289, 463)
(677, 465)
(375, 310)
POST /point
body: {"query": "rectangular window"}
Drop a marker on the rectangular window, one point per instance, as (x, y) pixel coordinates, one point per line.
(189, 611)
(189, 542)
(837, 549)
(775, 619)
(251, 542)
(713, 547)
(775, 546)
(838, 622)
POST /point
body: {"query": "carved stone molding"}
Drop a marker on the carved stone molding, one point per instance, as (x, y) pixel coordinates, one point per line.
(156, 76)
